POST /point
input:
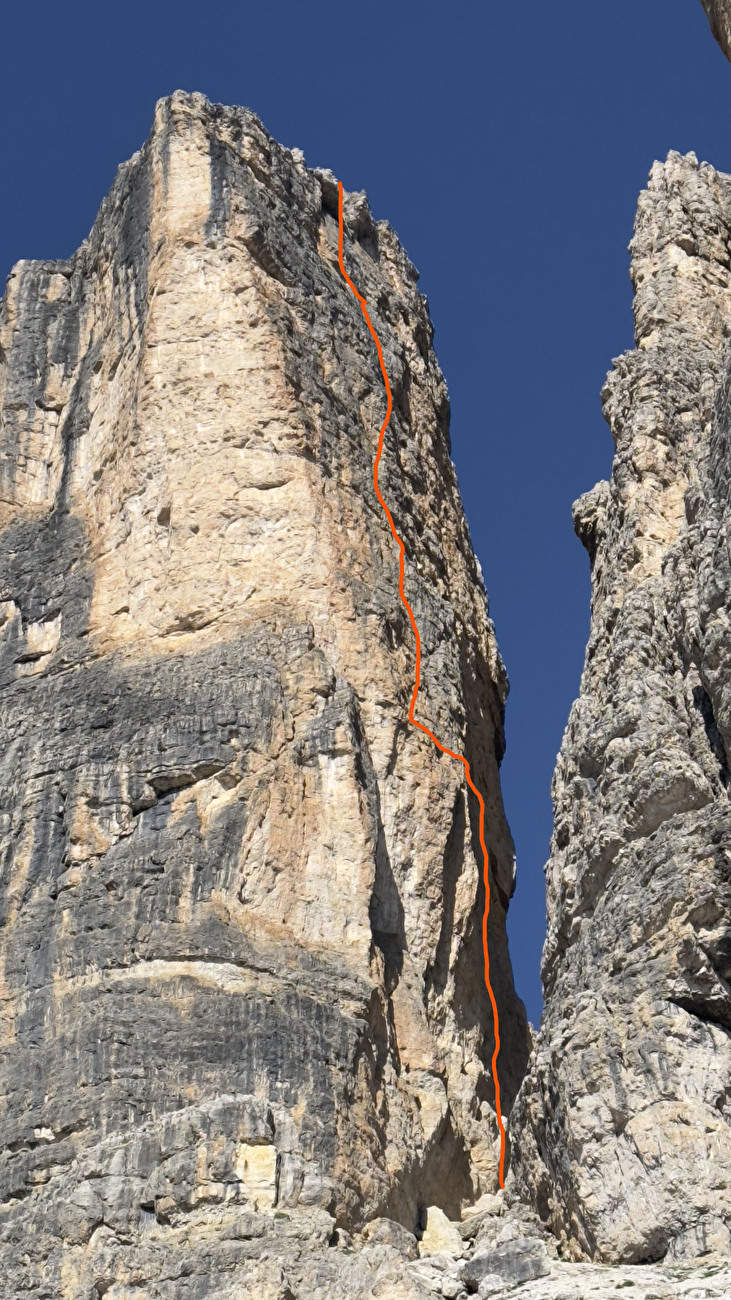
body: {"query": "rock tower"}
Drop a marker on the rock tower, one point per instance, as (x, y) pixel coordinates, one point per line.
(622, 1131)
(242, 968)
(624, 1122)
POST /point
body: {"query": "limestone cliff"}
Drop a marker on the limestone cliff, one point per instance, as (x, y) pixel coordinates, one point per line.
(241, 963)
(623, 1126)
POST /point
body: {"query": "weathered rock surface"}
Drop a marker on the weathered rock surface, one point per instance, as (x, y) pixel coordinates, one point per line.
(86, 1241)
(513, 1255)
(512, 1262)
(241, 967)
(622, 1133)
(719, 16)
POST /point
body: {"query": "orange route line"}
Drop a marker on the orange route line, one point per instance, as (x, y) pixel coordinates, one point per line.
(417, 678)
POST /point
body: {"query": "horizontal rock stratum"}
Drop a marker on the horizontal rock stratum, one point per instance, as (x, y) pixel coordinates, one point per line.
(242, 969)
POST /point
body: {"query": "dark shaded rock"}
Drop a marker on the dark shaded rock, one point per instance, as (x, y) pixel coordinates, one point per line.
(719, 16)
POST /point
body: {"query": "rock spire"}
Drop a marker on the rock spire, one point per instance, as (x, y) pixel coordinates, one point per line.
(622, 1131)
(623, 1127)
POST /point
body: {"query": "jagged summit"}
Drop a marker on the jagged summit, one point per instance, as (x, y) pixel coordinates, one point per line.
(623, 1129)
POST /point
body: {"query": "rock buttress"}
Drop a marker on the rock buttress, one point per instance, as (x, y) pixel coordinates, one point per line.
(241, 959)
(623, 1124)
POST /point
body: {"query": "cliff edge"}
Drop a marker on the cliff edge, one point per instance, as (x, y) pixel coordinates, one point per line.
(242, 969)
(719, 16)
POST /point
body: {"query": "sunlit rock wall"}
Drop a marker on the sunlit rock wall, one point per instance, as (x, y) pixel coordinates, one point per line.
(241, 959)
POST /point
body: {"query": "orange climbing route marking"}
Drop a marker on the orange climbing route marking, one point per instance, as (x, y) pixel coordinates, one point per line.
(417, 678)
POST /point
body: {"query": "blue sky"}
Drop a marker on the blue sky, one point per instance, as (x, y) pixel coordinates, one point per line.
(507, 145)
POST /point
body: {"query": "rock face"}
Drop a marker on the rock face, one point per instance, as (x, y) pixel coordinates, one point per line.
(719, 16)
(622, 1131)
(241, 962)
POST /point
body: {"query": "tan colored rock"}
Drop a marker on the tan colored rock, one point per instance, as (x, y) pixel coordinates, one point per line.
(230, 866)
(488, 1207)
(488, 1204)
(256, 1170)
(439, 1233)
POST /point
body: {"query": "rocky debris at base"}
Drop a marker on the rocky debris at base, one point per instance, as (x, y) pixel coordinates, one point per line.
(509, 1254)
(300, 1255)
(112, 1235)
(439, 1233)
(511, 1263)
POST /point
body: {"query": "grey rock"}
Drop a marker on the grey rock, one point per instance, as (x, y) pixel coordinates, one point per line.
(622, 1131)
(386, 1232)
(444, 1261)
(517, 1221)
(241, 969)
(471, 1226)
(513, 1262)
(491, 1285)
(719, 16)
(452, 1288)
